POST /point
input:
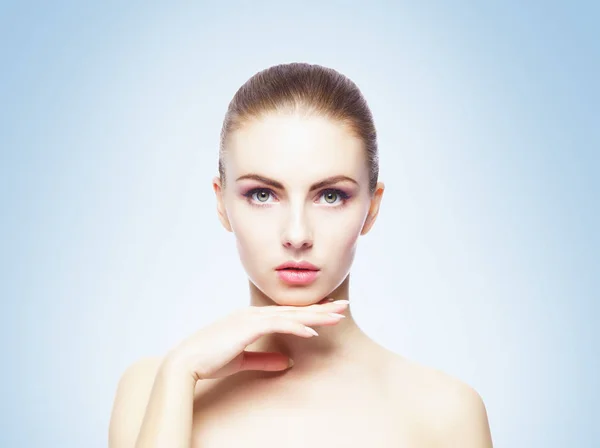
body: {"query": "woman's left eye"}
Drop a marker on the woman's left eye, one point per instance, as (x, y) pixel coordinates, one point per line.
(329, 194)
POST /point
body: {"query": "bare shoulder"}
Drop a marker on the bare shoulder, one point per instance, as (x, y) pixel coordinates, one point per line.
(131, 398)
(450, 412)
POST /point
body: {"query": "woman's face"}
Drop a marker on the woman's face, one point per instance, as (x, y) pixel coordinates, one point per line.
(277, 212)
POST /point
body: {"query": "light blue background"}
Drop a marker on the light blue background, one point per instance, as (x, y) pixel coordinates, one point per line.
(484, 260)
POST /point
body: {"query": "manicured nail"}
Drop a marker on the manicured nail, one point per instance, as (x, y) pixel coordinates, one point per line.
(312, 331)
(336, 315)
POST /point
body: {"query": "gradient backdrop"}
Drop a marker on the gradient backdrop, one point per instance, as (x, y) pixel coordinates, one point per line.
(484, 260)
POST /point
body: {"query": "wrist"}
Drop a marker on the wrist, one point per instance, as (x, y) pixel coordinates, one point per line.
(175, 369)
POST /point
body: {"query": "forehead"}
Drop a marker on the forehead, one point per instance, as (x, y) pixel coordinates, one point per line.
(293, 148)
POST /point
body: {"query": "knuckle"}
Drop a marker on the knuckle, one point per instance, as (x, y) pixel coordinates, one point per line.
(277, 322)
(263, 323)
(273, 319)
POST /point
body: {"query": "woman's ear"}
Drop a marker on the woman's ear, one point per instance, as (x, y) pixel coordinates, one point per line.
(221, 211)
(373, 208)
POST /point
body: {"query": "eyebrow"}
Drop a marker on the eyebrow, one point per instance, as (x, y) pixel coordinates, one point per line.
(273, 183)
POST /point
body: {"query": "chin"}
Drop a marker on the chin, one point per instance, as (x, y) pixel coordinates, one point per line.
(296, 296)
(285, 295)
(297, 301)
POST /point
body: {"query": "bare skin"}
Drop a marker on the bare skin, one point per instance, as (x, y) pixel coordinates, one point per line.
(229, 385)
(358, 394)
(372, 397)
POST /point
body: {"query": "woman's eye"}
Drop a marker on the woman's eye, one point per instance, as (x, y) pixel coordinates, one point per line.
(261, 195)
(330, 196)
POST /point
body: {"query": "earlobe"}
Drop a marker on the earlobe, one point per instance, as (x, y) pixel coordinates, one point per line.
(373, 209)
(221, 211)
(224, 220)
(368, 224)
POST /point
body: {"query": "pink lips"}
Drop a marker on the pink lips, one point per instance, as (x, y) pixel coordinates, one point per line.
(297, 273)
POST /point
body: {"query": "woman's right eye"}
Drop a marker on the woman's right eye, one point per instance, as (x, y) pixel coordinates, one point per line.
(258, 195)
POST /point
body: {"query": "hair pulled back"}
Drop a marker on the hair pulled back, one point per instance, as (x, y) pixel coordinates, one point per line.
(306, 89)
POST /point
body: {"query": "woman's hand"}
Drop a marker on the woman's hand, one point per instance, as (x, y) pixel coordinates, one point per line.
(218, 350)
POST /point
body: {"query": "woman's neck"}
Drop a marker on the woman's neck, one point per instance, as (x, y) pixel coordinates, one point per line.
(335, 344)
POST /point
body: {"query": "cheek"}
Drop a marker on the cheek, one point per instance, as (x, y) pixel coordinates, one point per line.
(250, 238)
(255, 237)
(248, 224)
(345, 228)
(339, 240)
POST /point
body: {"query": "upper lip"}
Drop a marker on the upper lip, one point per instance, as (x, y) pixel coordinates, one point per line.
(297, 265)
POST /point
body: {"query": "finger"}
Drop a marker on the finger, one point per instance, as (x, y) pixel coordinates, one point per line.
(321, 306)
(267, 361)
(261, 324)
(312, 317)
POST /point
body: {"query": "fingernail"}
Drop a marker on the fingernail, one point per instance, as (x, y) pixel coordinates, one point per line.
(290, 362)
(312, 331)
(342, 301)
(336, 315)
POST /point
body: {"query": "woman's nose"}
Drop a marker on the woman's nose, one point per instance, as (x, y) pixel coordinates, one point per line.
(297, 233)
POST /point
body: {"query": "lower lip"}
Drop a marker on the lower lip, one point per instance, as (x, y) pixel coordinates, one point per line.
(297, 276)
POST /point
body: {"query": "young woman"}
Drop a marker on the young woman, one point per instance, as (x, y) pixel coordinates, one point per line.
(297, 185)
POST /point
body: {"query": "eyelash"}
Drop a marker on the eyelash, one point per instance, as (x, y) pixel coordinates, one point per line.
(344, 196)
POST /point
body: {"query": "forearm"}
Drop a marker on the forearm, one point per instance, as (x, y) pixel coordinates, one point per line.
(168, 418)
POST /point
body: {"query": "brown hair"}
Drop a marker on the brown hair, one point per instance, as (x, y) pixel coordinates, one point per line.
(301, 87)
